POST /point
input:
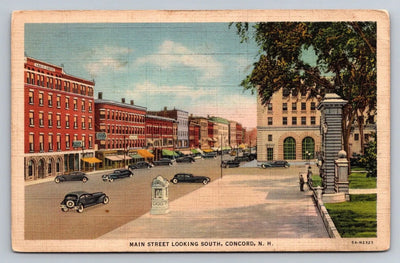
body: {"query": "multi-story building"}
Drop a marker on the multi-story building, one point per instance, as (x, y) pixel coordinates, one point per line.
(182, 118)
(221, 134)
(59, 120)
(232, 134)
(160, 132)
(203, 137)
(120, 131)
(239, 134)
(194, 135)
(212, 132)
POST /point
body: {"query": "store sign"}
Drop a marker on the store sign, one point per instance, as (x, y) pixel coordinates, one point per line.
(101, 136)
(77, 144)
(44, 67)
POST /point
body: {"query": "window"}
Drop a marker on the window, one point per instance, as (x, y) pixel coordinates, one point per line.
(50, 119)
(308, 148)
(75, 122)
(285, 92)
(270, 137)
(312, 120)
(312, 105)
(83, 141)
(90, 142)
(284, 106)
(83, 105)
(303, 92)
(294, 106)
(58, 102)
(67, 103)
(303, 121)
(269, 120)
(31, 119)
(67, 121)
(90, 123)
(41, 98)
(102, 114)
(83, 122)
(50, 142)
(294, 120)
(41, 121)
(31, 143)
(284, 120)
(356, 136)
(303, 106)
(269, 106)
(58, 142)
(75, 104)
(50, 100)
(58, 121)
(366, 137)
(289, 148)
(31, 97)
(270, 154)
(90, 107)
(41, 142)
(32, 78)
(49, 165)
(67, 141)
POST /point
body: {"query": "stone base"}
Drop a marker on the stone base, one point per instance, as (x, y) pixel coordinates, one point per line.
(159, 211)
(335, 198)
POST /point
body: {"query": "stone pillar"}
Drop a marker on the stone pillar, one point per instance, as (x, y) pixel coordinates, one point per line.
(159, 196)
(342, 173)
(331, 131)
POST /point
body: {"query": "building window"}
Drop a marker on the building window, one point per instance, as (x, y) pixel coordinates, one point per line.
(58, 142)
(294, 106)
(270, 137)
(289, 148)
(67, 121)
(58, 121)
(31, 143)
(102, 114)
(50, 120)
(67, 141)
(90, 142)
(41, 121)
(75, 104)
(269, 120)
(58, 102)
(284, 106)
(366, 137)
(356, 136)
(83, 141)
(90, 106)
(294, 120)
(83, 123)
(285, 92)
(308, 146)
(41, 143)
(40, 99)
(49, 166)
(90, 123)
(50, 100)
(284, 120)
(75, 122)
(312, 105)
(31, 119)
(83, 105)
(31, 98)
(50, 143)
(270, 154)
(312, 120)
(67, 103)
(303, 121)
(303, 106)
(269, 106)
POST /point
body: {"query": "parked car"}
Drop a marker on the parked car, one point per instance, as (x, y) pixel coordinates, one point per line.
(275, 164)
(242, 158)
(197, 155)
(185, 159)
(79, 200)
(189, 178)
(73, 176)
(163, 161)
(251, 156)
(140, 165)
(210, 155)
(117, 174)
(230, 163)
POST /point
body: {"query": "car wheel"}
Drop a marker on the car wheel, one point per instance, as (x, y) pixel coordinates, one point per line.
(57, 180)
(84, 180)
(106, 200)
(170, 164)
(111, 180)
(80, 209)
(70, 204)
(205, 181)
(175, 181)
(64, 209)
(131, 175)
(286, 166)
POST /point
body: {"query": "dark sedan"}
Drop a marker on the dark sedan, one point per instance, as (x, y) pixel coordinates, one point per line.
(117, 174)
(189, 178)
(275, 164)
(230, 163)
(73, 176)
(185, 159)
(163, 161)
(210, 155)
(140, 165)
(242, 158)
(79, 200)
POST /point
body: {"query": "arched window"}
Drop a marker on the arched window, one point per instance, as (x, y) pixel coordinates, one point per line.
(308, 148)
(289, 148)
(31, 168)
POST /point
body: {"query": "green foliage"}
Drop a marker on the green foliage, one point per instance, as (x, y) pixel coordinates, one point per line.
(369, 158)
(316, 180)
(356, 218)
(361, 181)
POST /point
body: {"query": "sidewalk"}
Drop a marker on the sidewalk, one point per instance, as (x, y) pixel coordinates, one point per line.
(236, 206)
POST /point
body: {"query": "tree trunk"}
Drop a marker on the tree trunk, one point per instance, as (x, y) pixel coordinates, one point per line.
(360, 122)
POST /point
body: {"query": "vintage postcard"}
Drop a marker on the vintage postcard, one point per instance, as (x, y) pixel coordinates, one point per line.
(200, 131)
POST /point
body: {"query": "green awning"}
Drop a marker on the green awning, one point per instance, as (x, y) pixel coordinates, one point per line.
(136, 156)
(226, 148)
(195, 151)
(166, 152)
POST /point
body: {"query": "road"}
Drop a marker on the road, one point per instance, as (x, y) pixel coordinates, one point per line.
(129, 199)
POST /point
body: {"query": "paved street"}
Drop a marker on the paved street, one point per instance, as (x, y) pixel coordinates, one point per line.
(246, 202)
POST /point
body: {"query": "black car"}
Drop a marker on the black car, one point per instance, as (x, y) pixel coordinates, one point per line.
(230, 163)
(275, 164)
(189, 178)
(251, 156)
(242, 158)
(73, 176)
(210, 155)
(79, 200)
(185, 159)
(163, 161)
(117, 174)
(140, 165)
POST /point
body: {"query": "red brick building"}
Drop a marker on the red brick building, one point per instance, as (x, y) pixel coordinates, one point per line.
(160, 132)
(120, 130)
(239, 133)
(194, 135)
(59, 120)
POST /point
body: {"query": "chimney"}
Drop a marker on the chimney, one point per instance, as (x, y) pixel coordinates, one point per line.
(132, 103)
(123, 100)
(100, 95)
(165, 108)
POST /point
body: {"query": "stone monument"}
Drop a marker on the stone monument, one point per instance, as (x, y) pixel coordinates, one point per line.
(159, 196)
(342, 174)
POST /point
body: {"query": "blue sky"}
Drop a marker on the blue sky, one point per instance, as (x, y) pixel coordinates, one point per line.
(196, 67)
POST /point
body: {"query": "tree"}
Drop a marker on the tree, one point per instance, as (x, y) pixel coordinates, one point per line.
(343, 60)
(369, 159)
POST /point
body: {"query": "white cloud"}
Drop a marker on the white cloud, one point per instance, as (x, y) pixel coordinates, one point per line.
(172, 53)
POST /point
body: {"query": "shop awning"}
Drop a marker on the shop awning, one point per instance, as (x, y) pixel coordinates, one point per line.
(136, 156)
(169, 153)
(199, 150)
(145, 153)
(242, 146)
(195, 151)
(186, 152)
(126, 157)
(113, 158)
(207, 150)
(226, 148)
(91, 160)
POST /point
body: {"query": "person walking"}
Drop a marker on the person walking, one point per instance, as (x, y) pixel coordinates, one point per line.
(301, 179)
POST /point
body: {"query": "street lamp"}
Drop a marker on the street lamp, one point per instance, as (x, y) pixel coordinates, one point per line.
(308, 155)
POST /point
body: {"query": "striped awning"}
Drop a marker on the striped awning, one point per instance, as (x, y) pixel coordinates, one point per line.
(91, 160)
(169, 153)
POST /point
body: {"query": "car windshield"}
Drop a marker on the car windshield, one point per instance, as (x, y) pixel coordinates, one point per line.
(71, 197)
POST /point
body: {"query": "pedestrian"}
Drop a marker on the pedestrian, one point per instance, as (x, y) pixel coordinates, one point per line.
(301, 179)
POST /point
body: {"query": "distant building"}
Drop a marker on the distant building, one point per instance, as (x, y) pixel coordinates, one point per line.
(232, 134)
(221, 132)
(203, 136)
(160, 132)
(194, 135)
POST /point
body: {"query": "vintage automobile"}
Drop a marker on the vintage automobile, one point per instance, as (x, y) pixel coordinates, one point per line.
(73, 176)
(185, 159)
(251, 156)
(243, 158)
(210, 155)
(163, 161)
(275, 164)
(79, 200)
(117, 174)
(189, 178)
(140, 165)
(230, 163)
